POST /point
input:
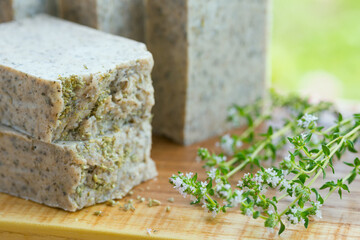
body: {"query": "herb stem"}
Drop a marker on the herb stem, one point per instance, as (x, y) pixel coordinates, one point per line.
(259, 148)
(257, 123)
(210, 199)
(327, 159)
(239, 167)
(344, 122)
(333, 189)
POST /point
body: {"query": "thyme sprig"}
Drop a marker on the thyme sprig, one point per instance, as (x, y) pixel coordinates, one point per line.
(271, 141)
(313, 149)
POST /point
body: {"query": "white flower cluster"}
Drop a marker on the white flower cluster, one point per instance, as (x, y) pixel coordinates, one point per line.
(317, 206)
(220, 159)
(294, 216)
(189, 175)
(203, 187)
(227, 144)
(306, 120)
(180, 185)
(248, 212)
(304, 135)
(286, 184)
(236, 200)
(269, 177)
(222, 189)
(273, 179)
(212, 173)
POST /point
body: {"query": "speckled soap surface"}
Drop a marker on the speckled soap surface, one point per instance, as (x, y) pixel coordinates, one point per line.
(53, 74)
(209, 54)
(48, 47)
(74, 174)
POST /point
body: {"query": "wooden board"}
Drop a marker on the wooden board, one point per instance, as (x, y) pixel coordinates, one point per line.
(21, 219)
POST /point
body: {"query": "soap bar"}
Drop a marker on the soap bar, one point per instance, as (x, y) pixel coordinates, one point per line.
(18, 9)
(63, 81)
(120, 17)
(209, 55)
(74, 174)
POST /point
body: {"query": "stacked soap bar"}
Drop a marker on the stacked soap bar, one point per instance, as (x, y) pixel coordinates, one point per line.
(75, 174)
(75, 109)
(121, 17)
(209, 55)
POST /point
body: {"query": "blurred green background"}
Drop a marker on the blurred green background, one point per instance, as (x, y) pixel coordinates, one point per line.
(316, 47)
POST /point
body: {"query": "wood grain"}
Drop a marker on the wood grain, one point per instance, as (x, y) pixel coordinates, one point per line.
(21, 219)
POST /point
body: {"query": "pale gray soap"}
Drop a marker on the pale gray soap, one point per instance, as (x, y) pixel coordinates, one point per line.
(63, 81)
(120, 17)
(18, 9)
(74, 174)
(209, 54)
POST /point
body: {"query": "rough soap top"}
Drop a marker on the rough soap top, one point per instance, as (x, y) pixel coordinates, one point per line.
(47, 47)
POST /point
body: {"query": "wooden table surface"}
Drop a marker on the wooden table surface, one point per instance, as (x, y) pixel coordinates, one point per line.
(21, 219)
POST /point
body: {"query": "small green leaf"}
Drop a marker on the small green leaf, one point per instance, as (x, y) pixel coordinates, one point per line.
(314, 150)
(328, 185)
(340, 118)
(308, 137)
(351, 178)
(340, 193)
(325, 149)
(209, 185)
(350, 146)
(331, 165)
(306, 224)
(282, 227)
(357, 162)
(301, 202)
(302, 164)
(349, 164)
(324, 173)
(303, 177)
(250, 120)
(256, 214)
(357, 116)
(256, 162)
(338, 154)
(318, 196)
(211, 192)
(345, 187)
(240, 156)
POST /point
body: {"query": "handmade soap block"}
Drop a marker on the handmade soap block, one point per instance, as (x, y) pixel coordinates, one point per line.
(209, 54)
(74, 174)
(120, 17)
(63, 81)
(18, 9)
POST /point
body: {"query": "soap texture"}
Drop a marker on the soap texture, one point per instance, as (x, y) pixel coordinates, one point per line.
(74, 174)
(209, 54)
(63, 81)
(120, 17)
